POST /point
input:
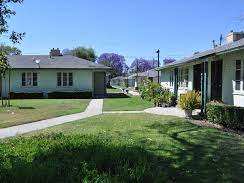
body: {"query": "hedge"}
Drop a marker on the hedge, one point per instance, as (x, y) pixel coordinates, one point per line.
(226, 115)
(69, 95)
(14, 95)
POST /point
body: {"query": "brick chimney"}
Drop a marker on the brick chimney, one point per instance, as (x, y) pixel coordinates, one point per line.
(234, 36)
(55, 52)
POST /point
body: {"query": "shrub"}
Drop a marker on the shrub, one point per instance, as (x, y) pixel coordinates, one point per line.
(69, 95)
(156, 93)
(226, 115)
(190, 101)
(76, 158)
(14, 95)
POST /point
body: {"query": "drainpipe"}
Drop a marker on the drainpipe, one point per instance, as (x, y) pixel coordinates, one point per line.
(176, 82)
(204, 87)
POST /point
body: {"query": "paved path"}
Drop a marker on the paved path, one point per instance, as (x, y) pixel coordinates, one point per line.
(170, 111)
(94, 108)
(123, 112)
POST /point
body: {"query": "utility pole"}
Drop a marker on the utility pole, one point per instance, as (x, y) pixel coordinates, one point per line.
(136, 81)
(158, 52)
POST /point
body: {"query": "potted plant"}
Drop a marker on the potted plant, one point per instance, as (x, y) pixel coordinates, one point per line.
(189, 102)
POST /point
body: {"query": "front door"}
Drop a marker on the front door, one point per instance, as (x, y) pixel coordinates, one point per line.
(99, 83)
(0, 86)
(197, 77)
(216, 80)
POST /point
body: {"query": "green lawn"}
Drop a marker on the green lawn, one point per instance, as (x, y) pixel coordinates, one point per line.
(118, 101)
(131, 148)
(25, 111)
(113, 90)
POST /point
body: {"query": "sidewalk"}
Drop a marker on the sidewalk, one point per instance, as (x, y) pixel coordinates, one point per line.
(94, 108)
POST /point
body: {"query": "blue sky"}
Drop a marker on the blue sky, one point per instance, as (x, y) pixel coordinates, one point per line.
(133, 28)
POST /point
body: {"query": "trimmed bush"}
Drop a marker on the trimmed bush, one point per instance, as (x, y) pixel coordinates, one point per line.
(69, 95)
(226, 115)
(14, 95)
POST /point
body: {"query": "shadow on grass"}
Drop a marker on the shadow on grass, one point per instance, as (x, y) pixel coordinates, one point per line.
(26, 107)
(59, 158)
(117, 95)
(203, 154)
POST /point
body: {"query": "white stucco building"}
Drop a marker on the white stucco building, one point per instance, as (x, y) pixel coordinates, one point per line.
(45, 74)
(217, 73)
(140, 77)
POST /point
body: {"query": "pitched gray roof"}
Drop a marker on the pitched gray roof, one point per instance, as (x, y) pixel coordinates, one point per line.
(218, 50)
(60, 62)
(149, 73)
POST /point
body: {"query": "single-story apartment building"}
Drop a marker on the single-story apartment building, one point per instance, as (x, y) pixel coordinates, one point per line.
(122, 81)
(53, 75)
(217, 73)
(140, 77)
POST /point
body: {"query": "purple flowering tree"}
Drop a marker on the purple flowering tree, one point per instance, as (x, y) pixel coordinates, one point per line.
(168, 61)
(115, 61)
(142, 64)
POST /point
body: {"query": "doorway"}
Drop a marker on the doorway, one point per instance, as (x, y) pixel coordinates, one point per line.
(197, 77)
(216, 80)
(99, 83)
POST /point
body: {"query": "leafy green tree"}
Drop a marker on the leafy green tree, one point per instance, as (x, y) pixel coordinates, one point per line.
(5, 13)
(8, 50)
(84, 53)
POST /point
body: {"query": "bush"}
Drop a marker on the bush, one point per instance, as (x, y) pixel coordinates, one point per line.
(156, 93)
(14, 95)
(69, 95)
(76, 158)
(190, 101)
(226, 115)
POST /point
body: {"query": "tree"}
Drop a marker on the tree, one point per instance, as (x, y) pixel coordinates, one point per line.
(168, 61)
(8, 50)
(84, 53)
(115, 61)
(5, 14)
(66, 51)
(142, 65)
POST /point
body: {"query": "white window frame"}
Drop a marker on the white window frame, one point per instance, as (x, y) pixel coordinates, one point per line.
(28, 85)
(67, 81)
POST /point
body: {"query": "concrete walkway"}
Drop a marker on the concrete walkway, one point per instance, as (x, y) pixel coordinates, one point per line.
(123, 112)
(170, 111)
(94, 108)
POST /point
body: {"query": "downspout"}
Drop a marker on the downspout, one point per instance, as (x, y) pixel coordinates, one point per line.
(204, 87)
(176, 82)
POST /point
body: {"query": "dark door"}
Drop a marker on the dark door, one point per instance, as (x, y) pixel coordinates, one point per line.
(197, 77)
(0, 86)
(216, 80)
(99, 83)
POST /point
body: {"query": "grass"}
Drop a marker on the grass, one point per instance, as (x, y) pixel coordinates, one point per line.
(25, 111)
(113, 90)
(151, 148)
(118, 101)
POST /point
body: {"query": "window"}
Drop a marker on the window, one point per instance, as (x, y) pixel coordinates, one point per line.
(29, 79)
(34, 79)
(238, 75)
(64, 79)
(171, 78)
(183, 77)
(70, 79)
(59, 79)
(23, 79)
